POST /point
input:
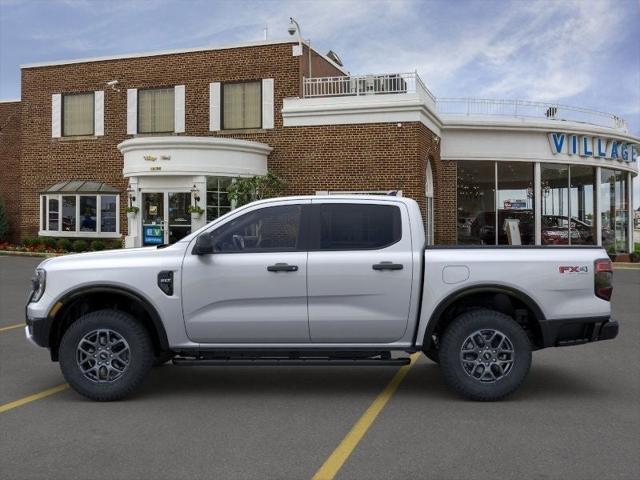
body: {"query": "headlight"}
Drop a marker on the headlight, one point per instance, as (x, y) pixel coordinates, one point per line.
(38, 283)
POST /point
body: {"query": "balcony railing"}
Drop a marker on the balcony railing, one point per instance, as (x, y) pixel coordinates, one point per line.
(400, 83)
(528, 109)
(365, 85)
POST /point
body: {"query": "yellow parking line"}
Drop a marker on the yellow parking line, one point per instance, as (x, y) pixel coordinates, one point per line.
(11, 327)
(32, 398)
(334, 463)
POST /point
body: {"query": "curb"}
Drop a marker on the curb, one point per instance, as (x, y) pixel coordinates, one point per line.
(626, 265)
(11, 253)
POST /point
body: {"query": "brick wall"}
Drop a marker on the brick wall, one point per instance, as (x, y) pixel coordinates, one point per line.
(10, 162)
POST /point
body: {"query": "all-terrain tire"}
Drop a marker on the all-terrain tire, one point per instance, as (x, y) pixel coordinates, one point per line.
(479, 380)
(125, 330)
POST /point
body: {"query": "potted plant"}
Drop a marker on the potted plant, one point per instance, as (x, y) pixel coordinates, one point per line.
(131, 212)
(195, 211)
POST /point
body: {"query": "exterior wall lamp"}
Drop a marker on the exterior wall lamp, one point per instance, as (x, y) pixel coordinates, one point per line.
(196, 194)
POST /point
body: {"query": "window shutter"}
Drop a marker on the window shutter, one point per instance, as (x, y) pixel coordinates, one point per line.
(267, 103)
(214, 106)
(178, 98)
(132, 111)
(98, 111)
(56, 115)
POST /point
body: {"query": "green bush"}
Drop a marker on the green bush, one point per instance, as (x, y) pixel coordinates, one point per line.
(29, 241)
(97, 245)
(114, 244)
(48, 242)
(65, 244)
(80, 246)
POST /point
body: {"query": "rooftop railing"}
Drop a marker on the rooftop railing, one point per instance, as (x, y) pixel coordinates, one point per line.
(357, 85)
(528, 109)
(401, 83)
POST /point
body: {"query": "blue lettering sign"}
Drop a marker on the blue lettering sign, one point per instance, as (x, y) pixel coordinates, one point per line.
(152, 235)
(601, 147)
(557, 142)
(573, 149)
(586, 147)
(614, 150)
(624, 153)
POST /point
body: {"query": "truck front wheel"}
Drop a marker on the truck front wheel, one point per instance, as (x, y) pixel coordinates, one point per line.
(485, 355)
(105, 355)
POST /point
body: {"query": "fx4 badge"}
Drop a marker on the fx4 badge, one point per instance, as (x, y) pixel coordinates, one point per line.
(573, 269)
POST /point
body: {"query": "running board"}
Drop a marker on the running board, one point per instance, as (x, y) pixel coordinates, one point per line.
(270, 362)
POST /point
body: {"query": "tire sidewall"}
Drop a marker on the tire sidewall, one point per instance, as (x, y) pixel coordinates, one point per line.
(457, 333)
(141, 357)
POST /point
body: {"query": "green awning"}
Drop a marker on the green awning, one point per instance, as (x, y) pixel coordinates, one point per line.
(81, 186)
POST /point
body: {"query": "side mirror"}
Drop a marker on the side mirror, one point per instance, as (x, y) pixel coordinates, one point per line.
(204, 244)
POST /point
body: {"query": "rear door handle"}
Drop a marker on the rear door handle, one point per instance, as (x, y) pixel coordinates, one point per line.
(282, 267)
(387, 266)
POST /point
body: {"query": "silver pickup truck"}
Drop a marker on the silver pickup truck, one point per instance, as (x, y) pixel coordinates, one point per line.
(336, 280)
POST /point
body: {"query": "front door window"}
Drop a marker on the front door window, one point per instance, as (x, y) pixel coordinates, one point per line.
(164, 217)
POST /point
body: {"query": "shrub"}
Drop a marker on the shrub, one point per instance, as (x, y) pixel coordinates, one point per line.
(97, 245)
(29, 242)
(47, 242)
(65, 244)
(114, 244)
(80, 246)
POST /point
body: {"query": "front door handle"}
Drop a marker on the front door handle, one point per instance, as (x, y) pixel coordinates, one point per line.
(282, 267)
(387, 266)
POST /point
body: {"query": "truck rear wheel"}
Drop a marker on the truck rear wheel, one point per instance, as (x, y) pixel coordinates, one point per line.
(105, 355)
(485, 355)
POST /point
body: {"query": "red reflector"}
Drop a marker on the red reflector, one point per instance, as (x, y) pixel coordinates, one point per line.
(604, 265)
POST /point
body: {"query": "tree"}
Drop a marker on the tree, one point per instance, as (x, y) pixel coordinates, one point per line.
(248, 189)
(4, 222)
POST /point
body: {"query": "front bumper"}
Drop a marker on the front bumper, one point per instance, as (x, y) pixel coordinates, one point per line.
(576, 331)
(38, 330)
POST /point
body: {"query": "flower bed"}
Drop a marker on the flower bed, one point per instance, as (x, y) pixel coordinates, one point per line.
(53, 246)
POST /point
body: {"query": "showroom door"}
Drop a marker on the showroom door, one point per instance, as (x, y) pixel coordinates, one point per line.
(165, 218)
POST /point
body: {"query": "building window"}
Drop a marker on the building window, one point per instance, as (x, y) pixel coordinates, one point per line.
(241, 105)
(567, 204)
(156, 110)
(516, 224)
(218, 202)
(614, 210)
(79, 215)
(78, 114)
(476, 203)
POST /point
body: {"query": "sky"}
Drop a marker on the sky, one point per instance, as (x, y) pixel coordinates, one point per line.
(584, 53)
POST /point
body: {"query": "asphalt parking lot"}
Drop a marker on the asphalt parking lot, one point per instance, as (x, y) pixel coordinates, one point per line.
(577, 415)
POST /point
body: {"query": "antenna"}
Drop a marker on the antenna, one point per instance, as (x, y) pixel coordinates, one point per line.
(266, 32)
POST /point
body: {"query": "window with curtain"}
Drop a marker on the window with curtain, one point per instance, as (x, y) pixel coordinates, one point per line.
(77, 114)
(241, 105)
(156, 110)
(76, 215)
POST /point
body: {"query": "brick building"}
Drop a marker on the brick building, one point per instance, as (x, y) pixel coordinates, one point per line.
(165, 130)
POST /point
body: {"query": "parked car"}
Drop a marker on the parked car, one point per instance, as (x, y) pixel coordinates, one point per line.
(484, 227)
(555, 231)
(336, 280)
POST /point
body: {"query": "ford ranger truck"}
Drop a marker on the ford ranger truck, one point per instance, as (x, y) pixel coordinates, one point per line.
(335, 280)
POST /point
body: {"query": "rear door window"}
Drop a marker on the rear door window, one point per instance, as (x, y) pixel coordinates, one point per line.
(345, 226)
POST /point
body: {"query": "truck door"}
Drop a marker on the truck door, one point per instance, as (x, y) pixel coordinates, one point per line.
(252, 288)
(359, 271)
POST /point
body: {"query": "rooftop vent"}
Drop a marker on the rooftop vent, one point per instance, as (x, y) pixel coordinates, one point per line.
(333, 56)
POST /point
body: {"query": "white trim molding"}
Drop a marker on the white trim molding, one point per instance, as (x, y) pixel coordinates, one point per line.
(392, 108)
(56, 115)
(132, 111)
(268, 103)
(98, 112)
(185, 156)
(179, 103)
(214, 107)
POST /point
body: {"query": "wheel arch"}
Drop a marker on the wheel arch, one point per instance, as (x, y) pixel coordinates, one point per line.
(85, 299)
(499, 297)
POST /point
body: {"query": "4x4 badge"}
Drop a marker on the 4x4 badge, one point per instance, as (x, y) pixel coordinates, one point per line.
(573, 269)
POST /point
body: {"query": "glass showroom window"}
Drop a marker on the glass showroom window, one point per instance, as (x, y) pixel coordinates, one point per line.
(77, 114)
(156, 110)
(516, 224)
(614, 210)
(476, 202)
(568, 200)
(79, 215)
(218, 202)
(241, 105)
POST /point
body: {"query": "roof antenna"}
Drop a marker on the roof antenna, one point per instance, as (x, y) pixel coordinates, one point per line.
(266, 33)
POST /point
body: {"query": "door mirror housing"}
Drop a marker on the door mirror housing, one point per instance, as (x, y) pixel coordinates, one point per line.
(204, 244)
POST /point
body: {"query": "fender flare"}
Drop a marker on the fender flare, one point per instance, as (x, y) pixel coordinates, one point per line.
(69, 297)
(465, 292)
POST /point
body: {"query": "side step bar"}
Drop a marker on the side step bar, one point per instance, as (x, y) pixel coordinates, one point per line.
(317, 362)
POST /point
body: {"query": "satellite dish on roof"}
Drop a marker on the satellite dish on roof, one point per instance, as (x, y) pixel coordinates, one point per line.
(333, 56)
